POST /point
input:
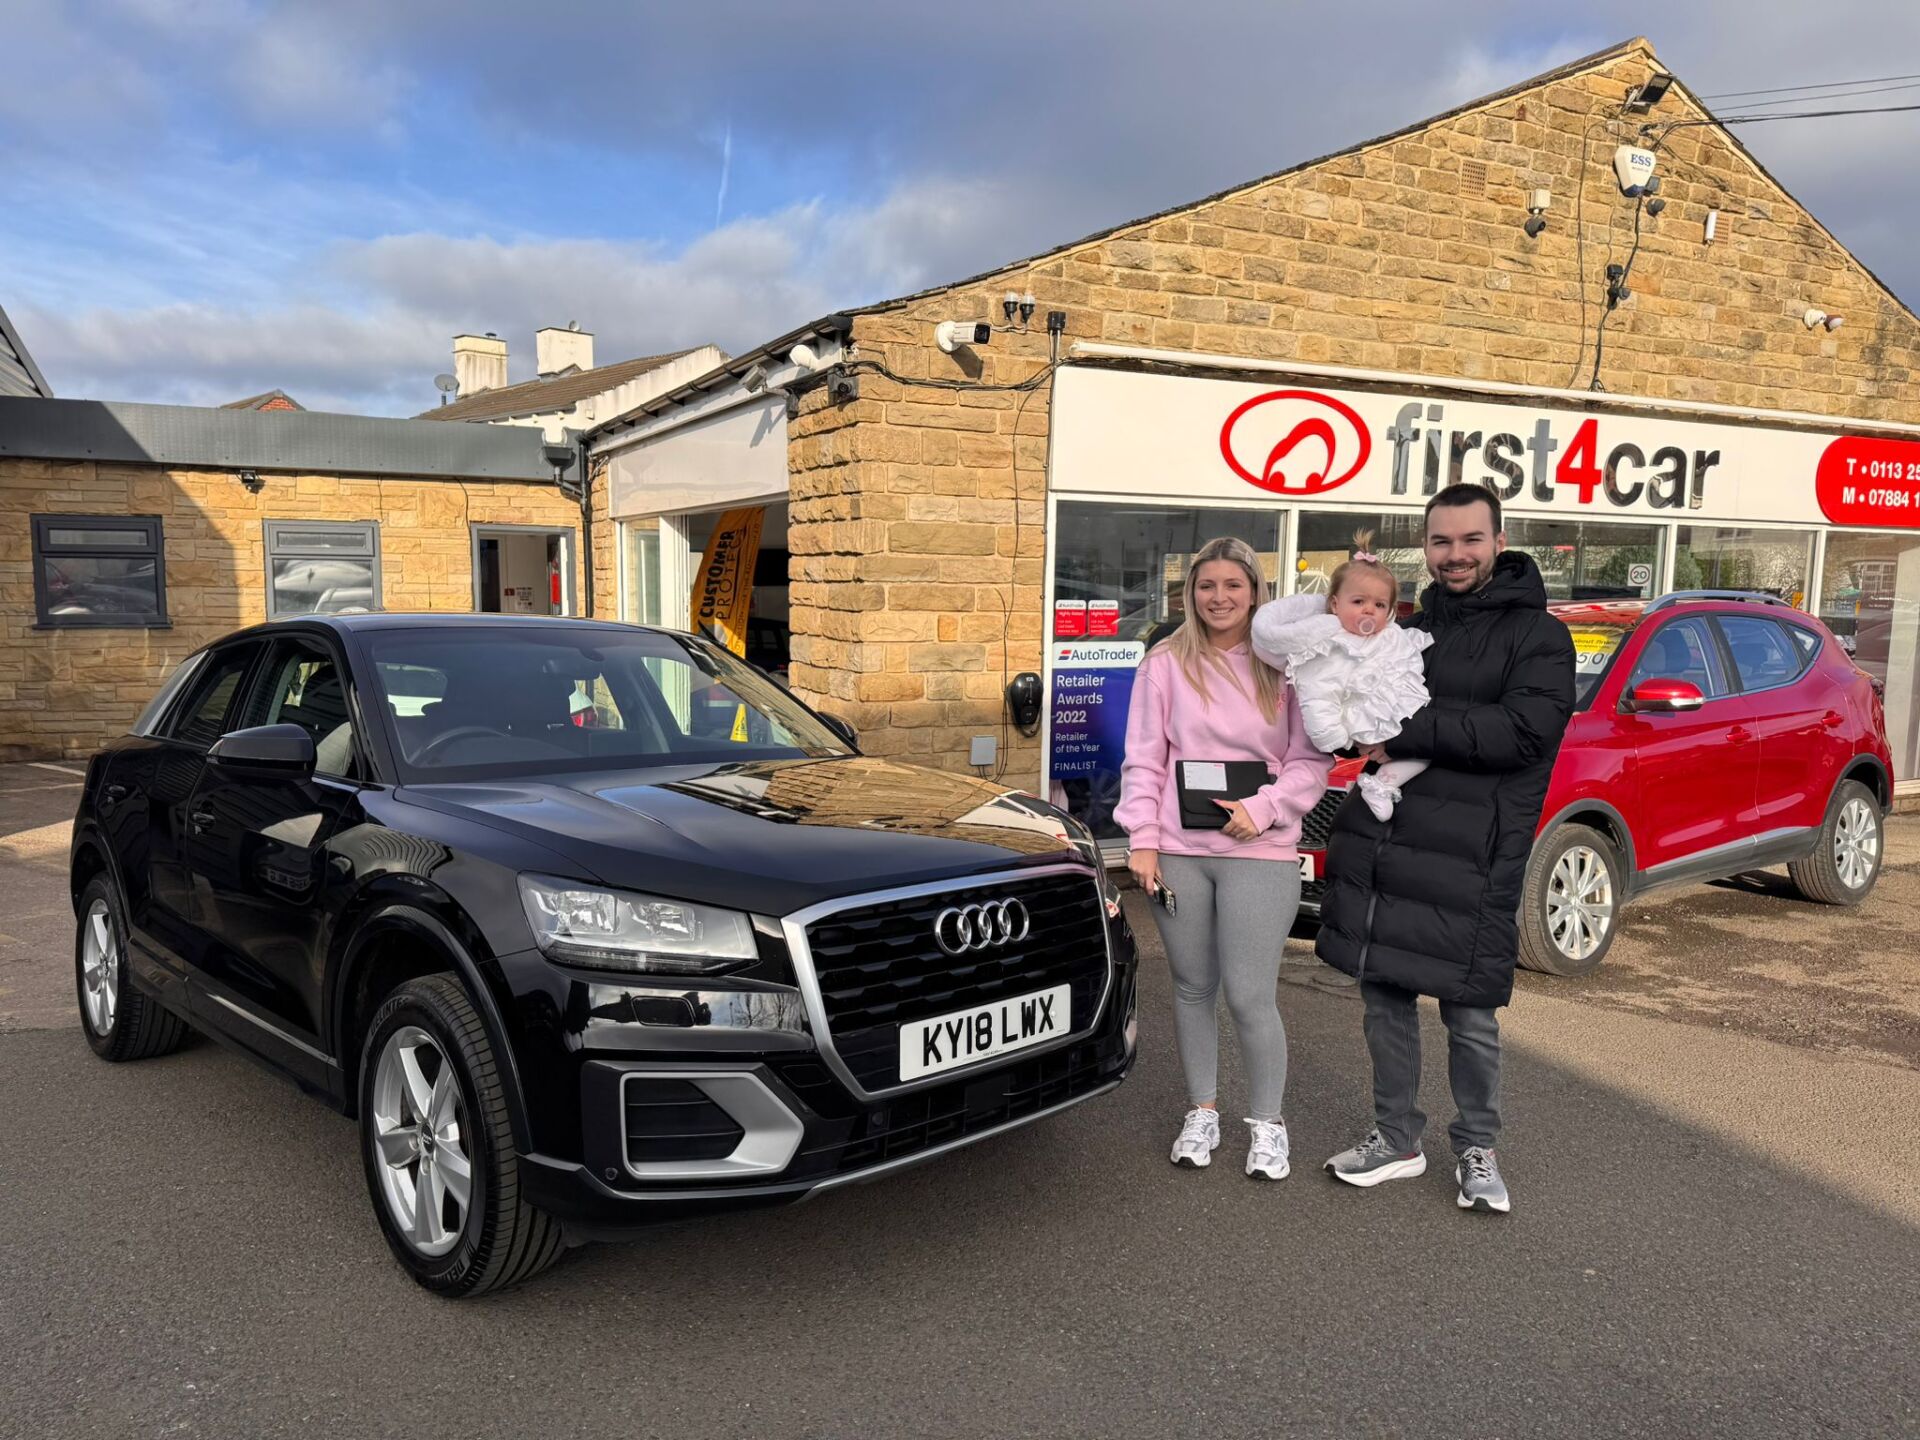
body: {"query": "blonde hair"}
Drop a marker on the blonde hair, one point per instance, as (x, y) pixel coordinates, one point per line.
(1364, 562)
(1189, 646)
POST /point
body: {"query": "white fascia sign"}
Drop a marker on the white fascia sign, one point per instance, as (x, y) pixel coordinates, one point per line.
(1179, 436)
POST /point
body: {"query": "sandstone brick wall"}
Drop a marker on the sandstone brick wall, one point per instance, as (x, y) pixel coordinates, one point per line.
(1407, 255)
(606, 576)
(64, 692)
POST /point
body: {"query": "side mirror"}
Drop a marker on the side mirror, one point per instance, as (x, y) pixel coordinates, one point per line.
(267, 752)
(845, 731)
(1663, 697)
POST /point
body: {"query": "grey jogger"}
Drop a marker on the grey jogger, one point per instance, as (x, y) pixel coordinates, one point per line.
(1473, 1068)
(1231, 926)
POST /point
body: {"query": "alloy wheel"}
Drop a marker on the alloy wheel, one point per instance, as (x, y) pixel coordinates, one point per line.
(1579, 902)
(1856, 844)
(100, 968)
(426, 1173)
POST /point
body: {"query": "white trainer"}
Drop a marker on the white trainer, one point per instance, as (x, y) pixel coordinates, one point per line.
(1199, 1138)
(1267, 1155)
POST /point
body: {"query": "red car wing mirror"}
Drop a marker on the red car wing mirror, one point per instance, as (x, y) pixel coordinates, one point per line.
(1664, 697)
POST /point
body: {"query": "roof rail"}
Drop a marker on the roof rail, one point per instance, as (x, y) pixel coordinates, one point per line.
(1751, 597)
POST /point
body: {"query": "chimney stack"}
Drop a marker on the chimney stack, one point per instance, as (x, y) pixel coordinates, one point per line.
(479, 363)
(558, 351)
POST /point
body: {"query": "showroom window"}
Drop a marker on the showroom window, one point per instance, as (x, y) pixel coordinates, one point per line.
(321, 567)
(1118, 578)
(1774, 562)
(1127, 563)
(102, 571)
(1326, 540)
(1870, 600)
(1590, 560)
(640, 577)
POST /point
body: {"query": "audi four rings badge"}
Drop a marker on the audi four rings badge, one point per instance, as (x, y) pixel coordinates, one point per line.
(961, 928)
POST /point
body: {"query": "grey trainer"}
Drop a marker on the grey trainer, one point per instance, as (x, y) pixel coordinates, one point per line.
(1481, 1187)
(1373, 1161)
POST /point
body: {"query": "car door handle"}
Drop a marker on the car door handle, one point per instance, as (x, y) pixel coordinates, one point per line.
(202, 818)
(115, 793)
(1833, 719)
(1739, 735)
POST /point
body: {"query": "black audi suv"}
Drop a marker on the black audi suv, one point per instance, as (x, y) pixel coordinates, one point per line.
(589, 925)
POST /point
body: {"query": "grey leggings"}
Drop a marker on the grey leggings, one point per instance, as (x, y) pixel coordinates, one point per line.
(1230, 925)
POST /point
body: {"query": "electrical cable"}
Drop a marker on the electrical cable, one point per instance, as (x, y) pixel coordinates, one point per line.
(1580, 242)
(1626, 273)
(1813, 99)
(1666, 130)
(1826, 85)
(1031, 388)
(934, 382)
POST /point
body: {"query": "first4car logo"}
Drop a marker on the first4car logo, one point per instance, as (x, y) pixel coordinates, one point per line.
(1302, 442)
(1295, 442)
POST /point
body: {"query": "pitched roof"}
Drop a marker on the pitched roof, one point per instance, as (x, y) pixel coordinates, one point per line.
(271, 400)
(18, 374)
(542, 397)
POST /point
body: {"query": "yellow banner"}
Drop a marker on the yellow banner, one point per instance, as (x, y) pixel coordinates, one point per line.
(723, 586)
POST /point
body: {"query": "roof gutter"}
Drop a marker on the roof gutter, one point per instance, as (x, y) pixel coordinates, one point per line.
(838, 327)
(1586, 399)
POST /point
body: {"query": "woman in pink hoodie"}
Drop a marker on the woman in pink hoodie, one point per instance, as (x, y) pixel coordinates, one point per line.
(1227, 896)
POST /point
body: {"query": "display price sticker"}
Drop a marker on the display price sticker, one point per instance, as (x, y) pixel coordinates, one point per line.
(1866, 480)
(1593, 647)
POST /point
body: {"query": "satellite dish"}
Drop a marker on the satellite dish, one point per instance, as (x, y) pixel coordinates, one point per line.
(445, 384)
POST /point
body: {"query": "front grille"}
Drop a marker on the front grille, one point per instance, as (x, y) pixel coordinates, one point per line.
(909, 1124)
(879, 965)
(676, 1120)
(1316, 826)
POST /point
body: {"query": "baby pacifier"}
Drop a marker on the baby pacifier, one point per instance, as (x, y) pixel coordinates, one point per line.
(1366, 624)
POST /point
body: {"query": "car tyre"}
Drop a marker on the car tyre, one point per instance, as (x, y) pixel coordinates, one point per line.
(1571, 907)
(120, 1021)
(1846, 859)
(437, 1146)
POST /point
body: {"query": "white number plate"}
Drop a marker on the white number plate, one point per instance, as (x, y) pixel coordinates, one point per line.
(1306, 869)
(947, 1041)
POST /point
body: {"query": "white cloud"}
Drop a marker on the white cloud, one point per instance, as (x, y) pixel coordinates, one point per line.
(741, 285)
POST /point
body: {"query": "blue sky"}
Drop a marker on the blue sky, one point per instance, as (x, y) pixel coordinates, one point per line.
(208, 198)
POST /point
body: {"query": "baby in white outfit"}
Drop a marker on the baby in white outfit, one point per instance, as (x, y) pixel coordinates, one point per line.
(1357, 673)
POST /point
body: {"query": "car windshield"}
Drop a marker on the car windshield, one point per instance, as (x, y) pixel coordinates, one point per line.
(487, 701)
(1594, 646)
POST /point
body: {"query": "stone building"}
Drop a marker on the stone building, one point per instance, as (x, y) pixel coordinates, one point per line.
(130, 535)
(1308, 354)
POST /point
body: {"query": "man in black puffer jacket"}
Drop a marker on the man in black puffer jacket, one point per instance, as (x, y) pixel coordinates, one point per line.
(1427, 902)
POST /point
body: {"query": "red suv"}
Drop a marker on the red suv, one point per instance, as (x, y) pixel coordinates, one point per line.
(1714, 732)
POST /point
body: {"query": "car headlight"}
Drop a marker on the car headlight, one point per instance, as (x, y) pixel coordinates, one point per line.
(620, 930)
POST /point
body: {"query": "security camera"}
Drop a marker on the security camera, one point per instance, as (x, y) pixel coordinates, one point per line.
(804, 357)
(950, 335)
(755, 379)
(1816, 318)
(1634, 168)
(1535, 224)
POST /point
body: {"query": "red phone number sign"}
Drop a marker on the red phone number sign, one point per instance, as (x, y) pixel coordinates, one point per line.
(1872, 482)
